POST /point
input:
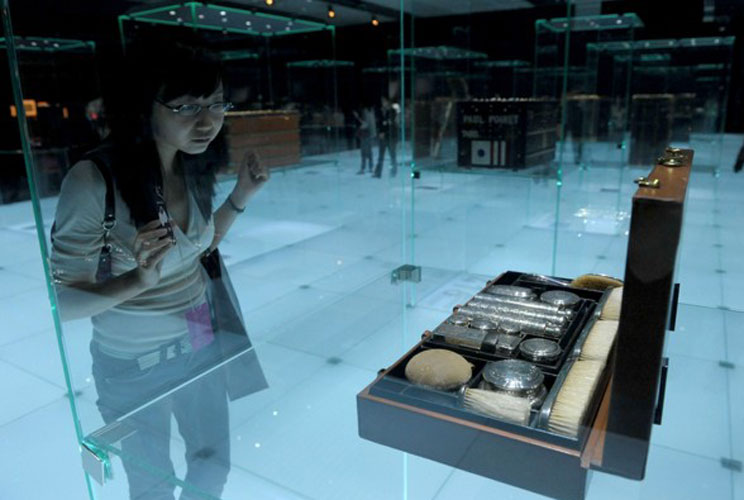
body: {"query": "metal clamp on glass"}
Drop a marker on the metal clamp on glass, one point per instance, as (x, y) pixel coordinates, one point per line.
(96, 462)
(406, 272)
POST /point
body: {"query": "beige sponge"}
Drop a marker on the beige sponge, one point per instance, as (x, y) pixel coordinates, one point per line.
(439, 369)
(596, 282)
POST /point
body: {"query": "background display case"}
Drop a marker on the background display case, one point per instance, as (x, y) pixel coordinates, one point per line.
(62, 127)
(331, 127)
(694, 73)
(597, 97)
(339, 272)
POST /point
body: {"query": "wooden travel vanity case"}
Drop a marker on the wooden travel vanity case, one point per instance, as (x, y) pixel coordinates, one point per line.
(621, 404)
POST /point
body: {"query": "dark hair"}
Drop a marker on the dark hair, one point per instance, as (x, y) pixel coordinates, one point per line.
(164, 72)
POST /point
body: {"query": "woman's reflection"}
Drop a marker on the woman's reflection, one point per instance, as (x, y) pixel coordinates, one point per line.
(128, 255)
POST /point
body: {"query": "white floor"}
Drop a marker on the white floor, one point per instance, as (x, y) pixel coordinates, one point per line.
(311, 260)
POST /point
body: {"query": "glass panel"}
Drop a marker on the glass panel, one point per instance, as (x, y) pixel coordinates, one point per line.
(310, 260)
(486, 183)
(595, 114)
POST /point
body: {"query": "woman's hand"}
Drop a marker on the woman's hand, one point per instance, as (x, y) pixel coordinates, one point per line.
(151, 245)
(252, 174)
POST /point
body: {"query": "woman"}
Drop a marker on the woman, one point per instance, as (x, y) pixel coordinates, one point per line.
(140, 278)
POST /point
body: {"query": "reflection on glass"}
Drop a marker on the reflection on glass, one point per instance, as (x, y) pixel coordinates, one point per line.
(135, 248)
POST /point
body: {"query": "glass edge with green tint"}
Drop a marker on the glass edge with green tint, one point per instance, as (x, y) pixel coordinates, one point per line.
(709, 41)
(300, 31)
(69, 44)
(402, 148)
(467, 54)
(200, 26)
(142, 17)
(135, 14)
(409, 249)
(627, 15)
(517, 63)
(258, 13)
(320, 63)
(236, 55)
(562, 145)
(38, 218)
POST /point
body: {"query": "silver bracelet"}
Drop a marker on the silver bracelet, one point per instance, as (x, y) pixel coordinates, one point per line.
(234, 206)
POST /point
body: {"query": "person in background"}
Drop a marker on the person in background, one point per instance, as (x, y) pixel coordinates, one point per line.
(387, 132)
(366, 129)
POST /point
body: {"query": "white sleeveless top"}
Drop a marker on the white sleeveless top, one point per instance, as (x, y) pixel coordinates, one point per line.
(157, 316)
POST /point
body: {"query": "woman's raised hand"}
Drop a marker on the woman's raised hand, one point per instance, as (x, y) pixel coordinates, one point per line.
(251, 174)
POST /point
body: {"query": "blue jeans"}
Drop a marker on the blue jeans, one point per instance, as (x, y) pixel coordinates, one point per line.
(200, 409)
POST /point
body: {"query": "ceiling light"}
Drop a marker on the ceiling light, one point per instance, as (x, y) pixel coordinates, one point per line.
(269, 2)
(375, 21)
(172, 13)
(331, 12)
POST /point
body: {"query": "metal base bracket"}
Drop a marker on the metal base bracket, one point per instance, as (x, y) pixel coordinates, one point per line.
(731, 464)
(96, 463)
(406, 272)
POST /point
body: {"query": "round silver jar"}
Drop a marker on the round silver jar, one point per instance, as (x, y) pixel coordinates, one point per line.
(510, 328)
(459, 320)
(515, 377)
(560, 298)
(483, 324)
(540, 350)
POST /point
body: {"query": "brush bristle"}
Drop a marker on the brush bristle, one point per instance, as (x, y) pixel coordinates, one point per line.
(611, 309)
(498, 405)
(595, 282)
(599, 341)
(574, 397)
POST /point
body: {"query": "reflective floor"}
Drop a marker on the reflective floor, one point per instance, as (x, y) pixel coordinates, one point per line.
(311, 261)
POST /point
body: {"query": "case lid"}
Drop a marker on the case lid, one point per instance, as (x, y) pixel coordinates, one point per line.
(654, 236)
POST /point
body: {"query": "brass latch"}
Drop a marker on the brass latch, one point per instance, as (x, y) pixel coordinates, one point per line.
(670, 161)
(673, 157)
(648, 183)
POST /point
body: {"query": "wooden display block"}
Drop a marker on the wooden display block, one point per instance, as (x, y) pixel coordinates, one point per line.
(273, 135)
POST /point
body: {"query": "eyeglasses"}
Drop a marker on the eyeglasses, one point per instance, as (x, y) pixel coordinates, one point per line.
(218, 108)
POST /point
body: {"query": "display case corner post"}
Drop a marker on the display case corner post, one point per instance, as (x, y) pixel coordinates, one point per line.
(7, 30)
(122, 37)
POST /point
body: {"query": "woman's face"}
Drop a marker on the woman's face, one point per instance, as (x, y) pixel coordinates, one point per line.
(189, 134)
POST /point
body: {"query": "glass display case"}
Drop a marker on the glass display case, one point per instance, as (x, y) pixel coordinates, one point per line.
(311, 82)
(686, 81)
(596, 87)
(310, 261)
(61, 126)
(494, 145)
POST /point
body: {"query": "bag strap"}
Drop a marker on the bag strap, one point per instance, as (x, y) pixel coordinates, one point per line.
(109, 217)
(109, 211)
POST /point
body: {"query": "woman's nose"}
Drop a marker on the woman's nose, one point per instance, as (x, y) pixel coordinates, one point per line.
(204, 120)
